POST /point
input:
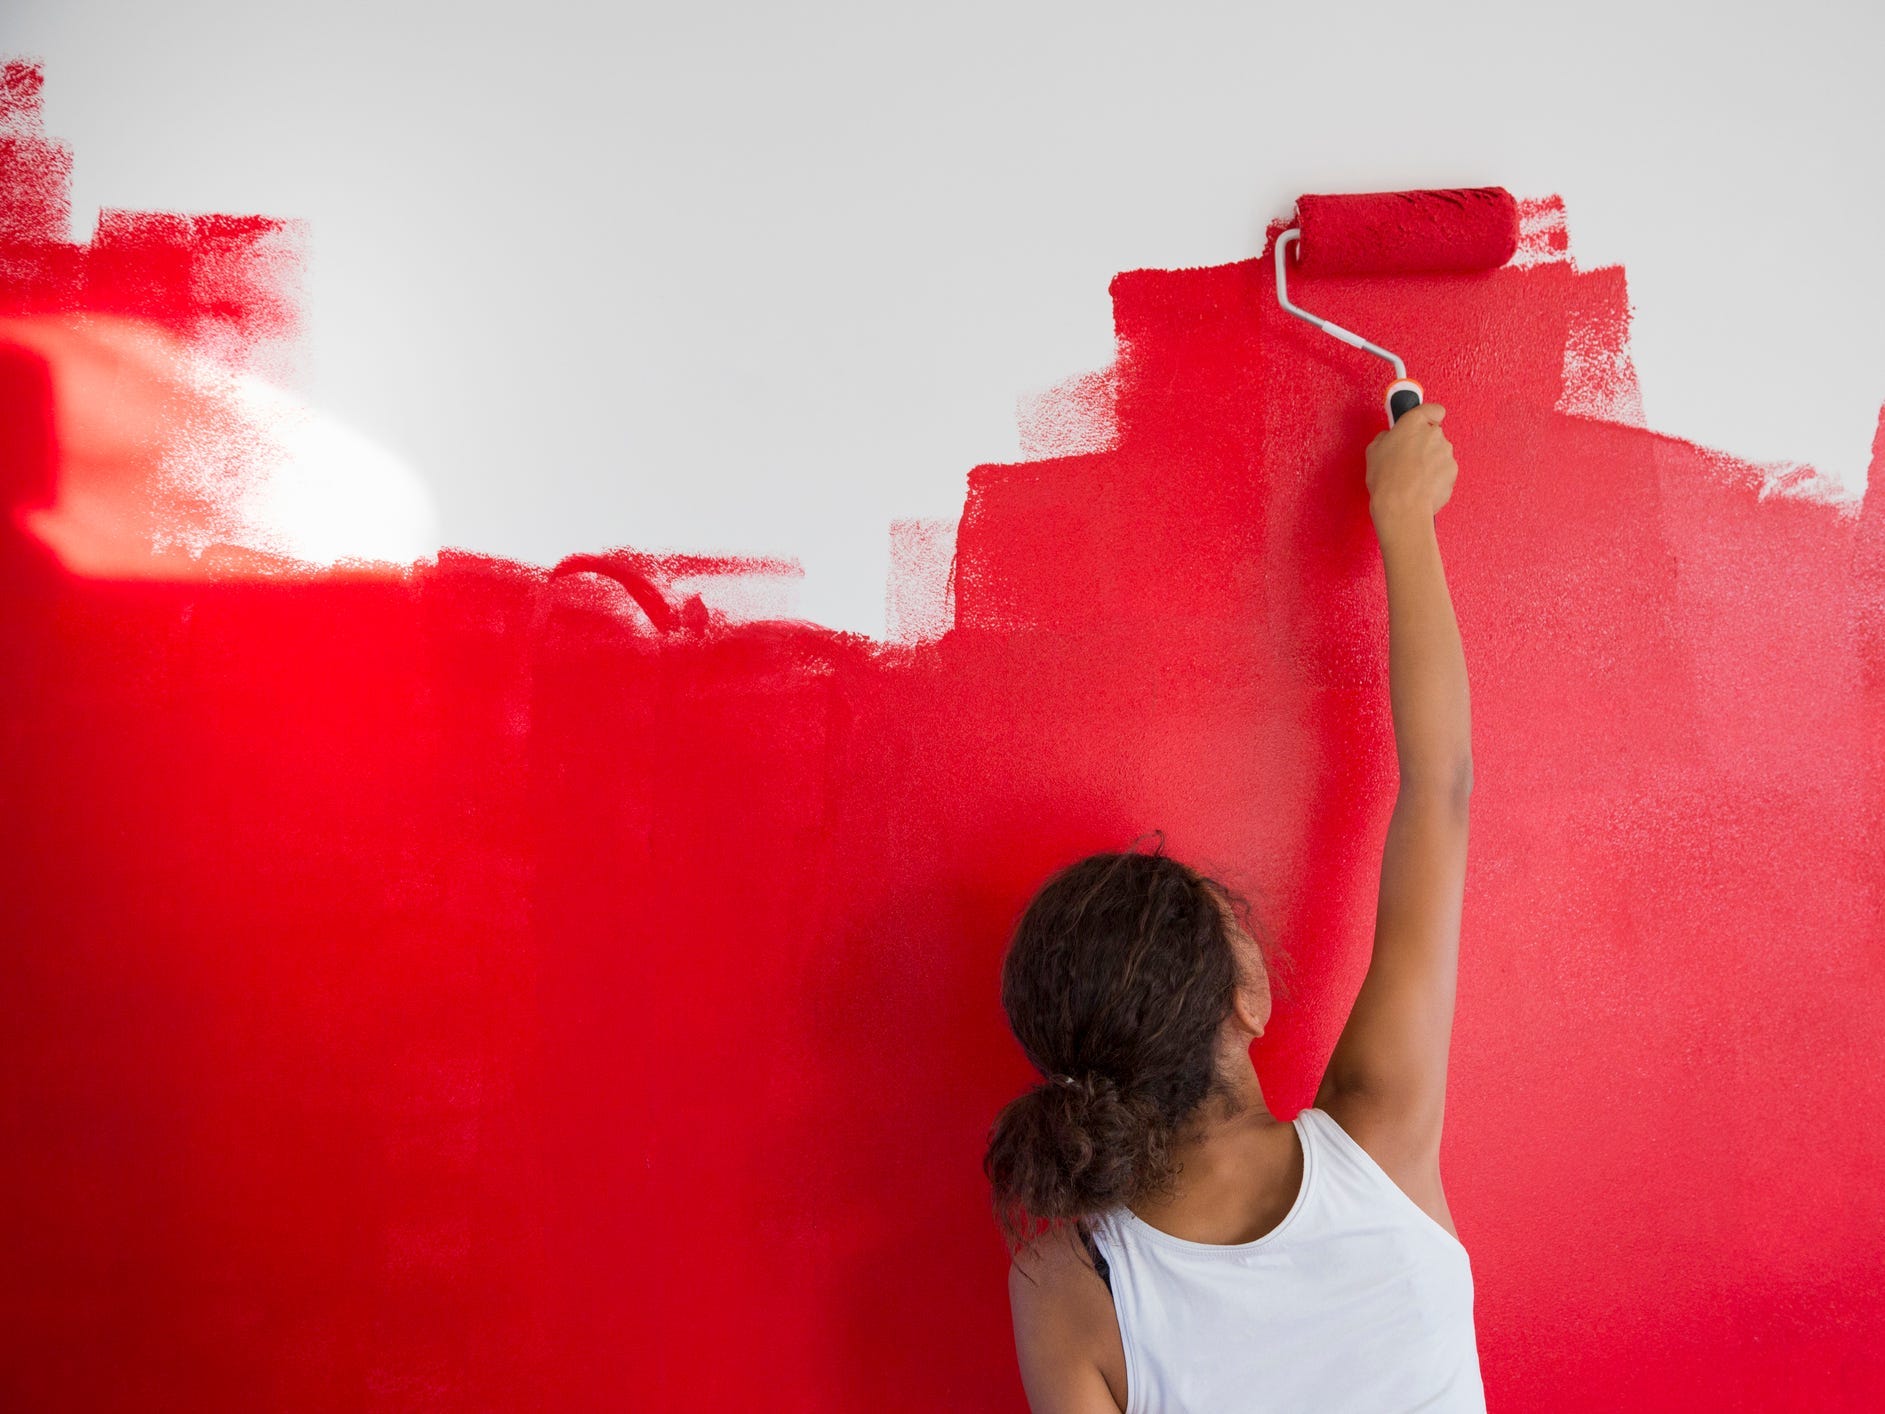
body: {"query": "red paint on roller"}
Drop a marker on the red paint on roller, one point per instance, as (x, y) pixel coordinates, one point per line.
(1407, 232)
(496, 989)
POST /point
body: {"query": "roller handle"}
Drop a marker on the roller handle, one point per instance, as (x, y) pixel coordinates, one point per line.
(1404, 395)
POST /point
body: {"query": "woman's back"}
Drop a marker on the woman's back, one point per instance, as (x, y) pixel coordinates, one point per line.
(1357, 1300)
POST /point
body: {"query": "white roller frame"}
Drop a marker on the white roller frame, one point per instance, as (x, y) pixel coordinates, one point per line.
(1347, 336)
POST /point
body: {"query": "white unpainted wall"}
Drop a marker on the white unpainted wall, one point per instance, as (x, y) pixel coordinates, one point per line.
(764, 279)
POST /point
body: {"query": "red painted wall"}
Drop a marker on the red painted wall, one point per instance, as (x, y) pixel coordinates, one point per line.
(507, 987)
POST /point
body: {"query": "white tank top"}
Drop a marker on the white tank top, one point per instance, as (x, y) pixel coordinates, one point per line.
(1357, 1301)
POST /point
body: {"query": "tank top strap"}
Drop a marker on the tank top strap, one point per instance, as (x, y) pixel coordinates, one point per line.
(1361, 1174)
(1341, 1152)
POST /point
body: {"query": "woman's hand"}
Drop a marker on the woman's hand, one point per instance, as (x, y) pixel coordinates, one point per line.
(1410, 469)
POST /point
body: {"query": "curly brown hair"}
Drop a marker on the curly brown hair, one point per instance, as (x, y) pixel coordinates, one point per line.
(1116, 982)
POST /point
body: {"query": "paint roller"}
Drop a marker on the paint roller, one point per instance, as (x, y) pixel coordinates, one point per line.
(1396, 233)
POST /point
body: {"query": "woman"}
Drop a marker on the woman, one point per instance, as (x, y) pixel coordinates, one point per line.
(1199, 1253)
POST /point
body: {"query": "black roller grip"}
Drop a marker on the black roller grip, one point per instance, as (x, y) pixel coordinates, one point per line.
(1401, 402)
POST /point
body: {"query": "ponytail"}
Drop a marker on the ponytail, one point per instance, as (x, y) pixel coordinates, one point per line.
(1063, 1152)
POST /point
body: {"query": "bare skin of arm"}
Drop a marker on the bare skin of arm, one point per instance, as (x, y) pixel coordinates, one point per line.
(1386, 1081)
(1059, 1301)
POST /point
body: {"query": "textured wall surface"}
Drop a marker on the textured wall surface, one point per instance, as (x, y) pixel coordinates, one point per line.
(494, 984)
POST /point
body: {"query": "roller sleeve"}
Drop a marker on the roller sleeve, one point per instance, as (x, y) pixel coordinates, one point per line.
(1407, 232)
